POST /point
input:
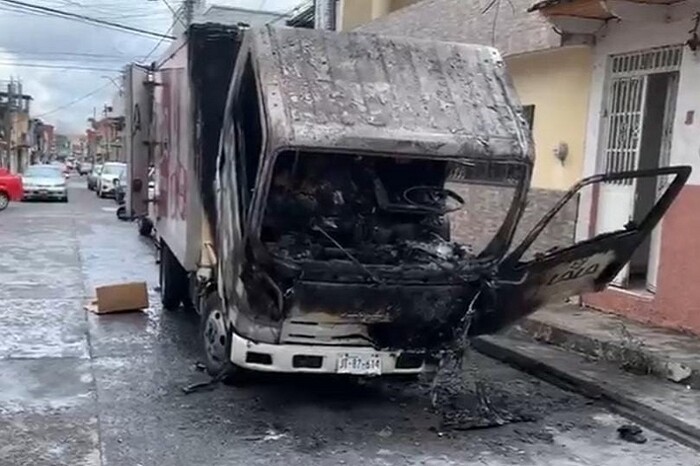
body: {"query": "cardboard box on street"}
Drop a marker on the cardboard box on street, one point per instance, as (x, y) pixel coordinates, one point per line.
(120, 298)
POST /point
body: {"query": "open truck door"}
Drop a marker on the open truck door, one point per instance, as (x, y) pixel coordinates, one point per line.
(520, 287)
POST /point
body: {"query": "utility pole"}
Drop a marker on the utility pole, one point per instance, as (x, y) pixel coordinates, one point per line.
(109, 131)
(188, 8)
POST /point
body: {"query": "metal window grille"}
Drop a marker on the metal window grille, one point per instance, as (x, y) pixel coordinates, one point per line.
(624, 112)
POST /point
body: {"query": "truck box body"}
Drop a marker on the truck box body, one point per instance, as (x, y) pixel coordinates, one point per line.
(192, 82)
(137, 101)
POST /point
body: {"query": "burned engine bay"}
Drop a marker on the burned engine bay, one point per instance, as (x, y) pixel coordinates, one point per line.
(367, 211)
(366, 239)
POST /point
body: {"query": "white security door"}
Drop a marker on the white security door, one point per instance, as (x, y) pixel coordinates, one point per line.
(625, 114)
(623, 123)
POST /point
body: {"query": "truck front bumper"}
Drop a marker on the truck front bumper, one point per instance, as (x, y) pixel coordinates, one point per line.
(317, 359)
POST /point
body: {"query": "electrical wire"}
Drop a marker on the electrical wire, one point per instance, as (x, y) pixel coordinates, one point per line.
(74, 101)
(175, 13)
(155, 47)
(53, 53)
(82, 18)
(56, 67)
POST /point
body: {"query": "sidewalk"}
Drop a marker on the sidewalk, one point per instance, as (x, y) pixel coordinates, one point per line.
(636, 348)
(650, 374)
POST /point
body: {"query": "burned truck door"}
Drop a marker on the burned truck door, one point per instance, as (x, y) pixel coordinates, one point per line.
(521, 287)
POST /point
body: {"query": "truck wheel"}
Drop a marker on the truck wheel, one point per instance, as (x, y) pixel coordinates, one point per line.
(121, 213)
(145, 227)
(173, 279)
(216, 341)
(4, 200)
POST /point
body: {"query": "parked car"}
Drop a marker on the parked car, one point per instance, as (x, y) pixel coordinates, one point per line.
(109, 178)
(93, 175)
(10, 188)
(44, 182)
(84, 168)
(62, 166)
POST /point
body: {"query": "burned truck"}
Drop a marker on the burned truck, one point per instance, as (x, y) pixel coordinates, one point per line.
(316, 236)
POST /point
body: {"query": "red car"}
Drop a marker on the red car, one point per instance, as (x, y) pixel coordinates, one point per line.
(10, 188)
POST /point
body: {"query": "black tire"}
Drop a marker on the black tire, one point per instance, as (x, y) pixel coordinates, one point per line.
(215, 337)
(4, 200)
(121, 213)
(64, 199)
(145, 227)
(173, 279)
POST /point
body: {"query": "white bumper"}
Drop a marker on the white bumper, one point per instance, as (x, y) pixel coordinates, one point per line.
(282, 357)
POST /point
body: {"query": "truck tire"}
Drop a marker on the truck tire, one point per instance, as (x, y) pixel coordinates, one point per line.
(215, 334)
(173, 279)
(145, 227)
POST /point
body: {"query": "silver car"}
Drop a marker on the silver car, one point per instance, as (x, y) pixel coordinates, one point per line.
(93, 175)
(45, 182)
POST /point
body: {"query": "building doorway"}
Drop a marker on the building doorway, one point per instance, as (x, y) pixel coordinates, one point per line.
(638, 124)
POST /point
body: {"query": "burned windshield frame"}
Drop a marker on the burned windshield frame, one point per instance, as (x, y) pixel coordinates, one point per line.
(507, 173)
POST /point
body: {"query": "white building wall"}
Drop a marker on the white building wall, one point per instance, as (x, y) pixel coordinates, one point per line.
(655, 28)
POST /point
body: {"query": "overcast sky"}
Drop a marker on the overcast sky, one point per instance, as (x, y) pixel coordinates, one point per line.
(45, 51)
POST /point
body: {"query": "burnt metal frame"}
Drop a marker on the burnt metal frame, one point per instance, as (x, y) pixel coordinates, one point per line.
(681, 172)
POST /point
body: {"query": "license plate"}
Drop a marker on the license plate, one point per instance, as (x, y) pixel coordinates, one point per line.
(359, 364)
(44, 192)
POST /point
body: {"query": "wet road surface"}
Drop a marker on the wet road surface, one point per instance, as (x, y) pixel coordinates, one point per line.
(80, 389)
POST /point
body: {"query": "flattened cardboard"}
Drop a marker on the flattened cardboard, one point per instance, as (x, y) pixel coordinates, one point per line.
(120, 298)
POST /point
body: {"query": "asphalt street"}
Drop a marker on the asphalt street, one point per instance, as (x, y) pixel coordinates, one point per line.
(80, 389)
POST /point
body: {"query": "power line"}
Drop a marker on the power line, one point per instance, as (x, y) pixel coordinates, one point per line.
(82, 18)
(155, 47)
(64, 56)
(57, 67)
(74, 101)
(175, 14)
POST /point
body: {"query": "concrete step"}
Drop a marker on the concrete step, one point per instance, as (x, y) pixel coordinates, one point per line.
(634, 347)
(670, 409)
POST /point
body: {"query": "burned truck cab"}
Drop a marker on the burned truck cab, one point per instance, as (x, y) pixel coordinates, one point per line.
(333, 235)
(333, 226)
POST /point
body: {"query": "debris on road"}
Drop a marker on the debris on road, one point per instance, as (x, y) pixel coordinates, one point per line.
(631, 433)
(124, 297)
(678, 372)
(202, 386)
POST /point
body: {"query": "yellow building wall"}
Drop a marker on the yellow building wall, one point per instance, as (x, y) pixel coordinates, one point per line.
(355, 13)
(557, 83)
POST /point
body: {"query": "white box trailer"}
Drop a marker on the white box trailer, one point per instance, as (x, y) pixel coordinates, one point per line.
(138, 99)
(191, 83)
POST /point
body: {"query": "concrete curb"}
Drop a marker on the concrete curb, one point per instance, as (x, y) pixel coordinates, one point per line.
(631, 354)
(604, 382)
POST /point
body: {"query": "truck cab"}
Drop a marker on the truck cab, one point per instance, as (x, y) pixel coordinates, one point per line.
(325, 241)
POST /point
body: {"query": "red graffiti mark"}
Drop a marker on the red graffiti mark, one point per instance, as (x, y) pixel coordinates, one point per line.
(179, 184)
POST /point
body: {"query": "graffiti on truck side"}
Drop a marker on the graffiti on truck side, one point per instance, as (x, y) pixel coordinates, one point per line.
(172, 202)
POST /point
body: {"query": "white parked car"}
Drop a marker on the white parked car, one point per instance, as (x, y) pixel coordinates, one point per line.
(109, 178)
(44, 182)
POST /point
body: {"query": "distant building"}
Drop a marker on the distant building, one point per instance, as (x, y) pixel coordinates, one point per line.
(199, 11)
(105, 140)
(14, 127)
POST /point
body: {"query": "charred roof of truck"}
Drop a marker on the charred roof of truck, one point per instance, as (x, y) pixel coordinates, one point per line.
(367, 93)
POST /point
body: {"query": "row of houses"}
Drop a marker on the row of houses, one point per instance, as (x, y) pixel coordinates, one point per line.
(23, 140)
(607, 85)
